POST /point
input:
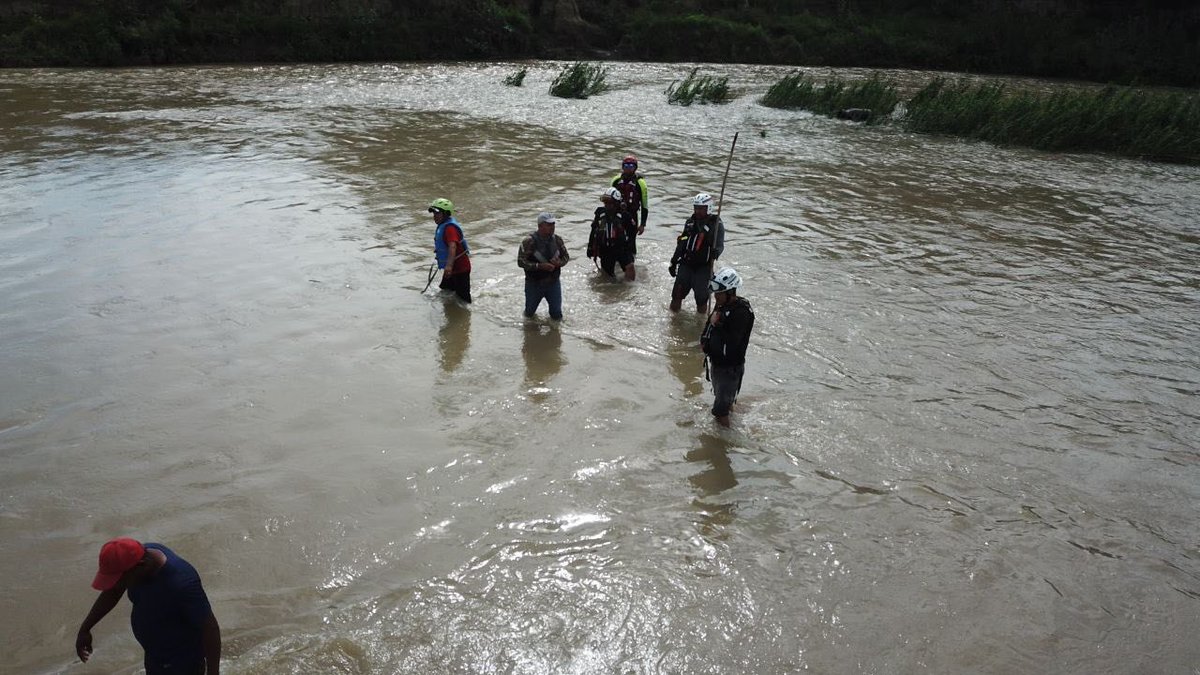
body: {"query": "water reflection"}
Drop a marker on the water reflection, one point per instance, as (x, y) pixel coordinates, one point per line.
(718, 477)
(542, 351)
(608, 290)
(714, 479)
(685, 359)
(454, 337)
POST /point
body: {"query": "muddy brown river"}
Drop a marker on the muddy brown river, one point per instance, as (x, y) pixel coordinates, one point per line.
(968, 439)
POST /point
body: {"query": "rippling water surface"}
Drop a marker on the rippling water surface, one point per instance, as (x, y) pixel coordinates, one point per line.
(967, 440)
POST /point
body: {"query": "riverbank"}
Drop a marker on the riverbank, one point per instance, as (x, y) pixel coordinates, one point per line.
(1157, 45)
(1160, 124)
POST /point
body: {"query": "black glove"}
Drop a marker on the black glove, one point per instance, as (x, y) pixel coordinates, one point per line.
(671, 269)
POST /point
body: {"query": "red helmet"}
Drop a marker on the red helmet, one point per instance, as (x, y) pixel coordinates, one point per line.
(629, 162)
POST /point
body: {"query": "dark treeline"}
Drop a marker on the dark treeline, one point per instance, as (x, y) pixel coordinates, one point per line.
(145, 32)
(1145, 42)
(1132, 42)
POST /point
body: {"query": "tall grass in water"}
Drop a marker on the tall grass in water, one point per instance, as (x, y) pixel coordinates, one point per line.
(580, 80)
(705, 89)
(1157, 125)
(517, 78)
(800, 91)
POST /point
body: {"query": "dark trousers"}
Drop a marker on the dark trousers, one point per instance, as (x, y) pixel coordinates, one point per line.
(726, 382)
(693, 279)
(610, 258)
(189, 668)
(459, 283)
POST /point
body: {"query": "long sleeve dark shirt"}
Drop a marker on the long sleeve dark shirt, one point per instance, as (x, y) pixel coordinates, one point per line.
(726, 342)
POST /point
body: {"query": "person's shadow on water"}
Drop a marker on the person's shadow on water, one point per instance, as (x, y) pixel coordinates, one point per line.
(542, 351)
(454, 337)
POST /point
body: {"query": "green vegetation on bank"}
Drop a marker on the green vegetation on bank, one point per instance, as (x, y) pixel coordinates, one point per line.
(1161, 125)
(1155, 42)
(1153, 124)
(1149, 42)
(580, 80)
(875, 95)
(702, 88)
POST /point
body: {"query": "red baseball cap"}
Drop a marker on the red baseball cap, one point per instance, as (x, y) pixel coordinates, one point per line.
(116, 558)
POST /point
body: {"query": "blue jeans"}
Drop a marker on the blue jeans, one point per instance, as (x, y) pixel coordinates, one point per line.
(550, 289)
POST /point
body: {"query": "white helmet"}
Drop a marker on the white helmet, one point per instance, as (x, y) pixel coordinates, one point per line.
(611, 193)
(702, 199)
(726, 279)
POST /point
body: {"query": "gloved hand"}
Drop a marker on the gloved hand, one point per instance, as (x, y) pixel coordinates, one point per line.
(671, 269)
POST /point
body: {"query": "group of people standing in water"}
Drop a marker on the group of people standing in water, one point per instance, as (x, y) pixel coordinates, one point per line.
(612, 244)
(172, 618)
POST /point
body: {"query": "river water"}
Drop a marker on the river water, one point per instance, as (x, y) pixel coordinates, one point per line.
(967, 439)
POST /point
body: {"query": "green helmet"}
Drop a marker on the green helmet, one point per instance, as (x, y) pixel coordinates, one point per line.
(441, 204)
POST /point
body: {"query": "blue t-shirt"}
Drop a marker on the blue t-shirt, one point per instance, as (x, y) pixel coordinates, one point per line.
(169, 611)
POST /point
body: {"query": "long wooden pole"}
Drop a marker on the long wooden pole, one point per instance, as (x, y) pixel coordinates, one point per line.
(721, 198)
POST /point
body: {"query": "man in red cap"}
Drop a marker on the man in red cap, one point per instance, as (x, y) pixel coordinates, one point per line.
(171, 618)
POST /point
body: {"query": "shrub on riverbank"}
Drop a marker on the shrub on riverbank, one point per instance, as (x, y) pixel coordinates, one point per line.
(703, 88)
(797, 90)
(1163, 125)
(1125, 121)
(580, 80)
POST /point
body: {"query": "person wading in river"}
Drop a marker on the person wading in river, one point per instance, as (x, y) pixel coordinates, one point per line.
(724, 341)
(612, 235)
(698, 247)
(172, 618)
(542, 255)
(633, 197)
(450, 248)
